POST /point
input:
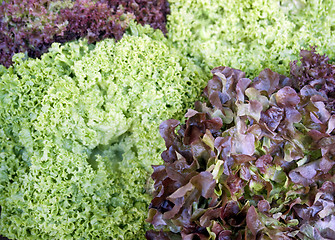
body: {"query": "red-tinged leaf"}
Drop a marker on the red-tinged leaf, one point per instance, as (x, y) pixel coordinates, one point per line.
(230, 210)
(316, 135)
(178, 204)
(205, 184)
(326, 165)
(309, 91)
(328, 188)
(193, 236)
(153, 235)
(255, 109)
(304, 175)
(180, 171)
(214, 85)
(224, 235)
(169, 155)
(223, 145)
(331, 124)
(195, 128)
(327, 145)
(201, 152)
(167, 187)
(181, 192)
(292, 115)
(272, 117)
(235, 184)
(245, 173)
(285, 81)
(190, 113)
(292, 204)
(326, 227)
(167, 131)
(241, 86)
(210, 214)
(287, 97)
(217, 99)
(244, 144)
(229, 78)
(243, 158)
(217, 227)
(267, 81)
(322, 113)
(263, 206)
(254, 224)
(156, 218)
(159, 174)
(263, 163)
(214, 125)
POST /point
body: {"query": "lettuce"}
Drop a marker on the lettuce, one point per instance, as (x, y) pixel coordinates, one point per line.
(32, 26)
(254, 162)
(315, 73)
(79, 130)
(250, 35)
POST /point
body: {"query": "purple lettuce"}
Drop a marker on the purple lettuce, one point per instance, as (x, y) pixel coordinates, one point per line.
(32, 26)
(255, 162)
(315, 72)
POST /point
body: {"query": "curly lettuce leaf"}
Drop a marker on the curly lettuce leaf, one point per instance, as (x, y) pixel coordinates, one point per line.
(79, 130)
(250, 35)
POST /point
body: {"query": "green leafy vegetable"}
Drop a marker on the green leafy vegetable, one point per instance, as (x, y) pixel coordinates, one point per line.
(79, 130)
(250, 34)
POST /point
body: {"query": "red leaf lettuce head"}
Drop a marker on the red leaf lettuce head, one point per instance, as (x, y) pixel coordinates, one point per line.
(255, 162)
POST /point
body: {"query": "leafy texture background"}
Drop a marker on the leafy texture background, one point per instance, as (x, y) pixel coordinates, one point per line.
(79, 126)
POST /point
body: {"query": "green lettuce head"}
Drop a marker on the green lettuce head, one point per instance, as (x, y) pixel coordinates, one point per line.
(250, 34)
(79, 130)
